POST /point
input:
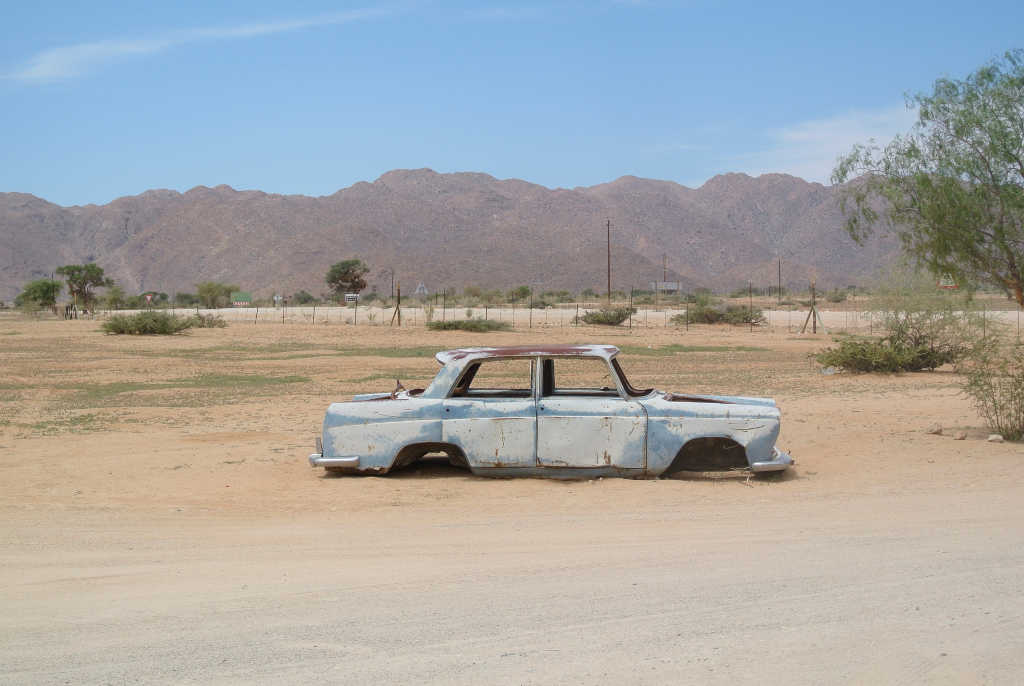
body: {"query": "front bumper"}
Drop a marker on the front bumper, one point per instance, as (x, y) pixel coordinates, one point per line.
(318, 460)
(778, 461)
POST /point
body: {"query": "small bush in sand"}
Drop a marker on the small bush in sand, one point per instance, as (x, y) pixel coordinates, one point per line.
(477, 325)
(147, 323)
(608, 316)
(994, 378)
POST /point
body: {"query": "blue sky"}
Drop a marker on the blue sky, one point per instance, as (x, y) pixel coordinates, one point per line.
(104, 99)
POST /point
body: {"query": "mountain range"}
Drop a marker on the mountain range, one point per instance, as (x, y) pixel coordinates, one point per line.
(449, 231)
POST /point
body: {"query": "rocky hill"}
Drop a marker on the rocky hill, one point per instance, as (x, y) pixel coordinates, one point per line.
(448, 230)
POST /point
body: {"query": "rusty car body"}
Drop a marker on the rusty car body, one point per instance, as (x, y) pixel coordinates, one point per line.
(541, 421)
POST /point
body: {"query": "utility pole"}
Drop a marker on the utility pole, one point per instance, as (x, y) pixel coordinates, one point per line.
(609, 263)
(780, 281)
(664, 267)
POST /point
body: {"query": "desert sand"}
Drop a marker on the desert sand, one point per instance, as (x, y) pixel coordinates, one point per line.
(161, 525)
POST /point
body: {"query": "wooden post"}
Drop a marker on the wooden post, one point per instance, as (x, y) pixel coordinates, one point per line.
(398, 307)
(630, 310)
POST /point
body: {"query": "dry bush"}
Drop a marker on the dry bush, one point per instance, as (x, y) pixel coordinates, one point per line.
(150, 322)
(477, 325)
(608, 316)
(994, 378)
(208, 321)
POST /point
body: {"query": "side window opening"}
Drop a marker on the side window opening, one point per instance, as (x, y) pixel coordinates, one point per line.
(580, 376)
(498, 378)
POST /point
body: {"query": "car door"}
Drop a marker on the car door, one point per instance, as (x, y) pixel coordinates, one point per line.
(584, 420)
(492, 416)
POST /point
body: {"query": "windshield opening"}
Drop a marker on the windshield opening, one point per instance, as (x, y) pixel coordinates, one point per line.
(634, 392)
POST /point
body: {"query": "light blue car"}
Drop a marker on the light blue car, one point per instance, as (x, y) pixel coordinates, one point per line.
(563, 411)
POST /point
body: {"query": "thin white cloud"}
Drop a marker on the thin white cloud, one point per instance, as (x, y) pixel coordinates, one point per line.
(74, 60)
(507, 13)
(810, 149)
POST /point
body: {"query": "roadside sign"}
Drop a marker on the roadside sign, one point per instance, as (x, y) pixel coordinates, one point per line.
(149, 298)
(947, 282)
(351, 297)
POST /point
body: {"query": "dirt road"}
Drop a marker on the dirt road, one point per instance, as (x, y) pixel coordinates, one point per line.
(160, 525)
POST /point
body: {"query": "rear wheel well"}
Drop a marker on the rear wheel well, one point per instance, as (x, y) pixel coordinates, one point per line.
(709, 454)
(415, 451)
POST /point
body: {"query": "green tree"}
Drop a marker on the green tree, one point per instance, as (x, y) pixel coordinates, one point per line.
(82, 280)
(185, 299)
(347, 277)
(953, 188)
(213, 294)
(41, 293)
(114, 299)
(303, 298)
(519, 293)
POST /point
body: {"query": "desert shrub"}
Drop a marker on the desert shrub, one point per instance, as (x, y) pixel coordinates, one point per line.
(208, 321)
(705, 310)
(607, 316)
(924, 329)
(881, 355)
(150, 322)
(742, 314)
(915, 314)
(994, 378)
(476, 325)
(836, 296)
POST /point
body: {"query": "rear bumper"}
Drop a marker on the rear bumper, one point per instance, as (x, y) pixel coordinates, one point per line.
(778, 461)
(318, 460)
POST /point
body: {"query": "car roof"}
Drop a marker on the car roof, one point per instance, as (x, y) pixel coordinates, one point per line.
(464, 355)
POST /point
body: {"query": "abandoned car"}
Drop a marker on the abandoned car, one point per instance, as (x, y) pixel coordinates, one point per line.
(564, 411)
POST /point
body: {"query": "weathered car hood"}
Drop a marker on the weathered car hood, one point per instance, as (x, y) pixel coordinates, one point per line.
(722, 399)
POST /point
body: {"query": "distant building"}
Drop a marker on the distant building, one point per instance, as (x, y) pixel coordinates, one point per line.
(241, 299)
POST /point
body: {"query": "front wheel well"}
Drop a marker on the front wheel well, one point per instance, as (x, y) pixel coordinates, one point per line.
(709, 454)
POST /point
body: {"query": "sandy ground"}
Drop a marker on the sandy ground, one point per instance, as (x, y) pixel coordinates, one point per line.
(161, 525)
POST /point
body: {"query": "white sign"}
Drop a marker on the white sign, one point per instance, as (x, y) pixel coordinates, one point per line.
(351, 297)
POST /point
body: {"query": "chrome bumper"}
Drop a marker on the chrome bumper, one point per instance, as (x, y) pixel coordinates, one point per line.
(779, 461)
(318, 460)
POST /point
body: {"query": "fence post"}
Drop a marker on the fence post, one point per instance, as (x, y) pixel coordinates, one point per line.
(630, 308)
(531, 310)
(750, 305)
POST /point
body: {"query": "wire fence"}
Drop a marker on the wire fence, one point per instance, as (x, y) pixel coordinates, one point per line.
(850, 319)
